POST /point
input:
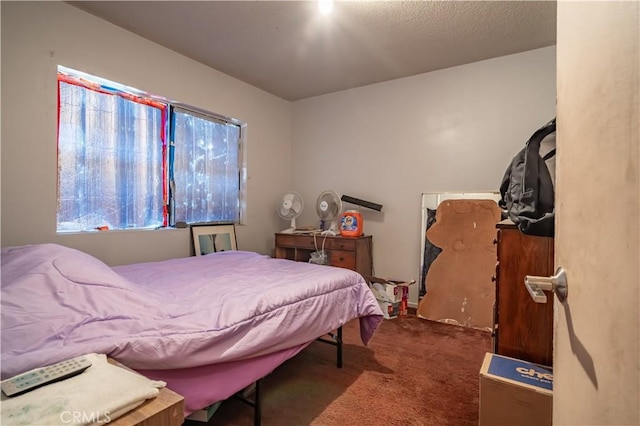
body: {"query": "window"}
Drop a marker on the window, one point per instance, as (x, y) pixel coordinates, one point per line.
(130, 160)
(205, 167)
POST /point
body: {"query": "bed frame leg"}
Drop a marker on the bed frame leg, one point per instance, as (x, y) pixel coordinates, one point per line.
(336, 340)
(257, 397)
(339, 345)
(256, 402)
(257, 408)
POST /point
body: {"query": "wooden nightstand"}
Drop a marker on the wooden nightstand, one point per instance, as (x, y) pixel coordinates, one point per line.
(166, 409)
(345, 252)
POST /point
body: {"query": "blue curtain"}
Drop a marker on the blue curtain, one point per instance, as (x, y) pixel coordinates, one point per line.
(110, 161)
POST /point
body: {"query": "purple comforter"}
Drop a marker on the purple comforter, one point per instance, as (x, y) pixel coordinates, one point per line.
(58, 303)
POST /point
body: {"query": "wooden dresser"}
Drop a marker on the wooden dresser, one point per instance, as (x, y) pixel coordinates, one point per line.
(346, 252)
(523, 329)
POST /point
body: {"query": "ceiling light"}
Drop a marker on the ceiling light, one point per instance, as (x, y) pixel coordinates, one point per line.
(325, 6)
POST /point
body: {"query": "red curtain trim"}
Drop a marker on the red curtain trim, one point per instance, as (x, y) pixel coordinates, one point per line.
(64, 78)
(116, 92)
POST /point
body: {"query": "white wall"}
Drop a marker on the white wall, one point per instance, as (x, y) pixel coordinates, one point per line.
(38, 36)
(453, 130)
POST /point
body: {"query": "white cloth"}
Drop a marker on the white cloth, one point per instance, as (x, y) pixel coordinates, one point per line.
(98, 395)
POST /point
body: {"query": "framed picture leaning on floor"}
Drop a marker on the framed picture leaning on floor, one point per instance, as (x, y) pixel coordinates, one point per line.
(213, 238)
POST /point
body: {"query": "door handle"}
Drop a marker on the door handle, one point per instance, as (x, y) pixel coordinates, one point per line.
(536, 286)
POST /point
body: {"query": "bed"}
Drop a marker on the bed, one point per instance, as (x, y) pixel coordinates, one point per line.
(207, 325)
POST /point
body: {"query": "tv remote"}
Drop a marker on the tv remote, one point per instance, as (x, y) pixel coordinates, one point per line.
(38, 377)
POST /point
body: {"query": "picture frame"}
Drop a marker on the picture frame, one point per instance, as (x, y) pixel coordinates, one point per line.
(213, 238)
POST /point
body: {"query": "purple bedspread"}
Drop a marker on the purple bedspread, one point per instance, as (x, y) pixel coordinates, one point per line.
(58, 303)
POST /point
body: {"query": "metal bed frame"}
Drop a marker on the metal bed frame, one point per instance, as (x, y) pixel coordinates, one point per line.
(256, 401)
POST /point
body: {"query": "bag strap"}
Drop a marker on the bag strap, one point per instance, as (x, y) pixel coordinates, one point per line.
(549, 154)
(532, 161)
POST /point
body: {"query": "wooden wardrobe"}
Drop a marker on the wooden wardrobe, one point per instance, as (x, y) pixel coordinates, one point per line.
(523, 329)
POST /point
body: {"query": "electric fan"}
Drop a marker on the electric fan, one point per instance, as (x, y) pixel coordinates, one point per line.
(329, 209)
(290, 207)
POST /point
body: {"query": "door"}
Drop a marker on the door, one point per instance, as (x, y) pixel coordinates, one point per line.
(596, 336)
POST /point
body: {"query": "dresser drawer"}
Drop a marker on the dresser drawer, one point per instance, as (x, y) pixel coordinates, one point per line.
(344, 252)
(295, 241)
(306, 242)
(345, 243)
(342, 259)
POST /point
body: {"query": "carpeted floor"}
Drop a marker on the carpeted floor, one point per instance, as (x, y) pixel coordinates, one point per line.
(414, 372)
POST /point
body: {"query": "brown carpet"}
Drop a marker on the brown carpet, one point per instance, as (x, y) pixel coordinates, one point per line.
(414, 372)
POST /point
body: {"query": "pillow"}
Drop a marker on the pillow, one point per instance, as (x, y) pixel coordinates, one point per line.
(82, 268)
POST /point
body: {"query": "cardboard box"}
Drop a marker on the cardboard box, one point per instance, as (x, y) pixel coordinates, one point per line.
(404, 307)
(205, 414)
(390, 310)
(515, 392)
(392, 295)
(388, 290)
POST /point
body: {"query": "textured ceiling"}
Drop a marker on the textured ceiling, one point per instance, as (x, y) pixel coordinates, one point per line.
(290, 50)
